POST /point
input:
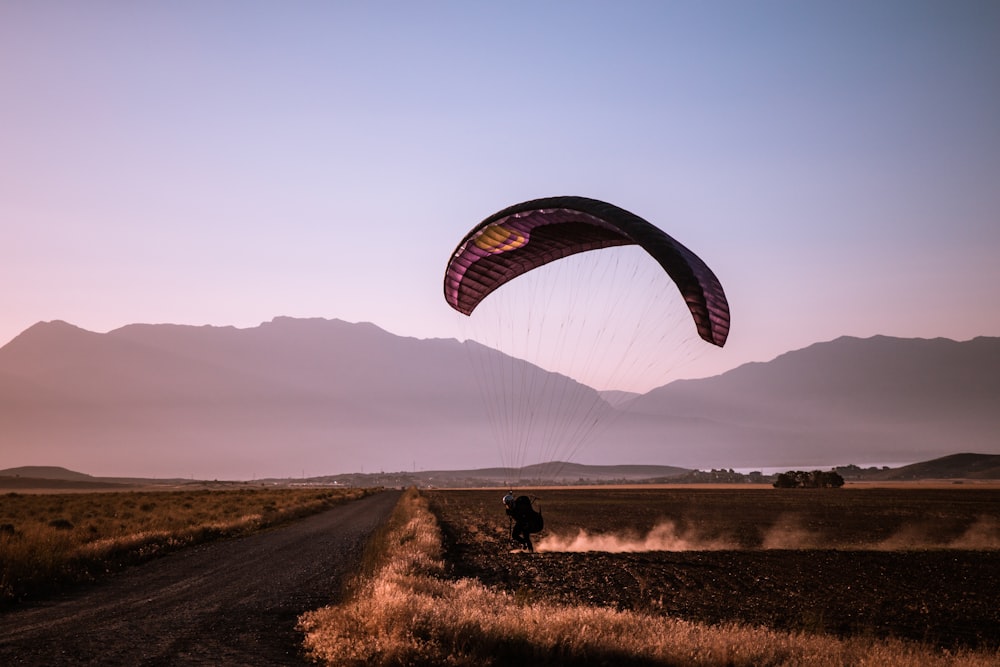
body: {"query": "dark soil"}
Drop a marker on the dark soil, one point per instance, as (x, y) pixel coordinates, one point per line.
(847, 582)
(233, 602)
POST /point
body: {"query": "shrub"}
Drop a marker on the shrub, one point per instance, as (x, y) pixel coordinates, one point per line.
(816, 479)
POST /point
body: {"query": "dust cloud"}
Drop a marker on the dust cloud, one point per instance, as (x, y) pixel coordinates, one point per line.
(908, 538)
(663, 537)
(984, 533)
(788, 532)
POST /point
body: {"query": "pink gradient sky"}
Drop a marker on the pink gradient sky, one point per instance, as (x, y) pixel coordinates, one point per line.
(837, 164)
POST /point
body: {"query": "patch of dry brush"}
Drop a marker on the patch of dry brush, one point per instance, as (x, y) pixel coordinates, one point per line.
(403, 611)
(48, 541)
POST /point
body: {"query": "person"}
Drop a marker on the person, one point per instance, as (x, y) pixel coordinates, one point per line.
(525, 520)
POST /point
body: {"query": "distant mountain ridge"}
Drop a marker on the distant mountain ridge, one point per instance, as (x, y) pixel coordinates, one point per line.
(310, 395)
(47, 472)
(955, 466)
(877, 399)
(965, 466)
(53, 478)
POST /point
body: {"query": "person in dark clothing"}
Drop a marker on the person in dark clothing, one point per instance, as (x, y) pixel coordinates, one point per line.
(525, 520)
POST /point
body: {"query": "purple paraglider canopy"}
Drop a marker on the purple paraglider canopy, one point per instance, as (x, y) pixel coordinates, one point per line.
(525, 236)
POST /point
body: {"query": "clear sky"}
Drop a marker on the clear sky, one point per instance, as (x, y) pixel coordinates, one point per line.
(836, 163)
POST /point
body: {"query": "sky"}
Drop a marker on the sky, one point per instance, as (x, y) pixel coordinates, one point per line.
(837, 164)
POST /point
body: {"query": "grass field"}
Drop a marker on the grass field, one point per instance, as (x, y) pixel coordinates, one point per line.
(909, 562)
(51, 540)
(448, 590)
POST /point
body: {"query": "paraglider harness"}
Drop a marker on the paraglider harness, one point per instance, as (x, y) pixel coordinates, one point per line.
(524, 519)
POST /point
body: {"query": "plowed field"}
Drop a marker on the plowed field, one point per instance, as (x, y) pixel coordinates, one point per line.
(912, 563)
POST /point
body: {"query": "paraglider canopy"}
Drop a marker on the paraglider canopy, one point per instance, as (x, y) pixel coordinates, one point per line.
(525, 236)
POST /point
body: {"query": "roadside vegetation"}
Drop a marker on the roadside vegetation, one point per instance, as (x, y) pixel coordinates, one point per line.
(404, 610)
(49, 541)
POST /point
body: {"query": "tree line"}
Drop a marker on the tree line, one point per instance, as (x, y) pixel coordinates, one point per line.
(814, 479)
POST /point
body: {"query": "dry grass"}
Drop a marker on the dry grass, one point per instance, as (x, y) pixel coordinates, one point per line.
(50, 540)
(403, 612)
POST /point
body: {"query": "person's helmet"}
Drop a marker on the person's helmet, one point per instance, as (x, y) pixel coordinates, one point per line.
(508, 500)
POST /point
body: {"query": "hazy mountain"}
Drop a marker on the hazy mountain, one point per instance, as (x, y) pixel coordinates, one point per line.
(955, 466)
(47, 472)
(618, 398)
(281, 399)
(879, 399)
(295, 397)
(55, 478)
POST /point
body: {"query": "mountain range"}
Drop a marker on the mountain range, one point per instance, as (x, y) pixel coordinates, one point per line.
(958, 468)
(297, 396)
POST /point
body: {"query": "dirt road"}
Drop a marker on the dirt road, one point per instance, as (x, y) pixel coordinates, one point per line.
(233, 602)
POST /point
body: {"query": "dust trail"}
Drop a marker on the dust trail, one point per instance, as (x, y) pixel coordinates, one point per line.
(908, 537)
(663, 537)
(789, 533)
(984, 534)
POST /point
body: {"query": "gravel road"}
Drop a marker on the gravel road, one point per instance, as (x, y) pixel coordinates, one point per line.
(232, 602)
